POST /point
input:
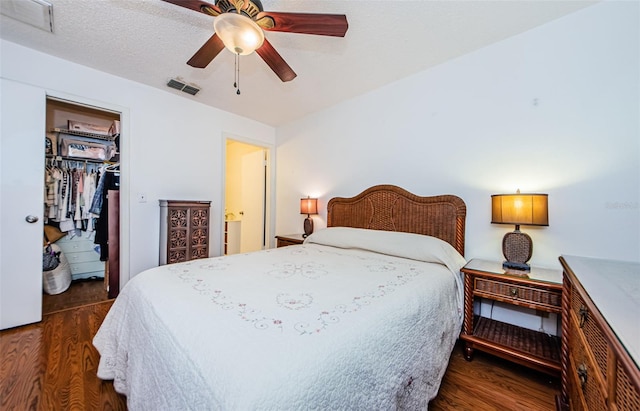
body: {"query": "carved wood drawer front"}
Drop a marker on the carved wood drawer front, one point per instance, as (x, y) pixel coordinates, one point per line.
(586, 325)
(184, 230)
(528, 296)
(586, 377)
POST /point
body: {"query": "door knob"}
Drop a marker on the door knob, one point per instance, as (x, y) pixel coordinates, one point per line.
(31, 219)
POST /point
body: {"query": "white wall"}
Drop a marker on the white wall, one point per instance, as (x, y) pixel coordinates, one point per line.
(173, 146)
(553, 110)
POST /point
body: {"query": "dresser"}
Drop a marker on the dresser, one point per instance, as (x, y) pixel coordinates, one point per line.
(600, 335)
(83, 256)
(184, 230)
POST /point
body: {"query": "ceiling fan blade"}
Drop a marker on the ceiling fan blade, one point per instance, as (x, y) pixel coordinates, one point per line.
(276, 62)
(200, 6)
(207, 52)
(305, 23)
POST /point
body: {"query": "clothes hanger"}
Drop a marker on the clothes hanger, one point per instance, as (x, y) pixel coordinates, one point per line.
(113, 167)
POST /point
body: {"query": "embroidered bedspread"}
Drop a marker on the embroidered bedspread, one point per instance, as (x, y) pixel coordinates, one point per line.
(336, 323)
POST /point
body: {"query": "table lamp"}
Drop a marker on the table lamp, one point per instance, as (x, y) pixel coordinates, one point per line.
(308, 206)
(518, 209)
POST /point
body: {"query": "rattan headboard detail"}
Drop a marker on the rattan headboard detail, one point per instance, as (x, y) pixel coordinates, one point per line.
(391, 208)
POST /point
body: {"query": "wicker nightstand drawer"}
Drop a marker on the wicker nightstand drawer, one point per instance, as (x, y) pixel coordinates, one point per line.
(525, 295)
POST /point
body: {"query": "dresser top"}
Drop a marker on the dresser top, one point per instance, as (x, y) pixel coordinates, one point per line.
(614, 287)
(165, 203)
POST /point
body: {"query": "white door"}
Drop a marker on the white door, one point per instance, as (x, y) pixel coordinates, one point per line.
(23, 113)
(253, 201)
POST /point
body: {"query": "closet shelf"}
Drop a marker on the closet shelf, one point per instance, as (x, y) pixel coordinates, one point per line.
(84, 134)
(80, 159)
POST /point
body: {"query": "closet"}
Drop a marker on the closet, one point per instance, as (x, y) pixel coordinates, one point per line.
(82, 181)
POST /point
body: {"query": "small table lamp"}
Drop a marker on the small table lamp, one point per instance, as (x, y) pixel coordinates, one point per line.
(308, 206)
(518, 209)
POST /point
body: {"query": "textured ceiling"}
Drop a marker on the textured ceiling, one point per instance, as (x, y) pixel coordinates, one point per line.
(150, 41)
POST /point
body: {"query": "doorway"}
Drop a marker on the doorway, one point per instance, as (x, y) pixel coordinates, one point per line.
(246, 194)
(82, 164)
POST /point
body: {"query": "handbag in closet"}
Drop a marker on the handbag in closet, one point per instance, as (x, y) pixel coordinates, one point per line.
(50, 259)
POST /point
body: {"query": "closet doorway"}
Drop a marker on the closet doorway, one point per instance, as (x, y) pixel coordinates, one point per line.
(82, 204)
(246, 197)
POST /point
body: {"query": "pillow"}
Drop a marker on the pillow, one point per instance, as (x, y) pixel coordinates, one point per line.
(406, 245)
(52, 234)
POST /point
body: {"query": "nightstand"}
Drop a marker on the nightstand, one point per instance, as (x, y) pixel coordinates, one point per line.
(539, 289)
(289, 239)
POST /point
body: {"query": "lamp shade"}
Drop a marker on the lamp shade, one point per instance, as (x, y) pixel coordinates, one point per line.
(239, 33)
(520, 209)
(308, 206)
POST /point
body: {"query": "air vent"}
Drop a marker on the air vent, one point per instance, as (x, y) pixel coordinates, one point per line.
(180, 85)
(190, 90)
(175, 84)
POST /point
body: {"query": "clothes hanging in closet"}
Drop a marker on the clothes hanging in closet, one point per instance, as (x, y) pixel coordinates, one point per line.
(68, 194)
(109, 180)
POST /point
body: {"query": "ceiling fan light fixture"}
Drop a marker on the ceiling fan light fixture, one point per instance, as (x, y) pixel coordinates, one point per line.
(239, 33)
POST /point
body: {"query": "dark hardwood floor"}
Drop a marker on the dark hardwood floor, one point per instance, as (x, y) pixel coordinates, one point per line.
(81, 292)
(491, 383)
(52, 365)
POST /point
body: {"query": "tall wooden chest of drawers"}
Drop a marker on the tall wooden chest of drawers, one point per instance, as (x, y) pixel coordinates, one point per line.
(600, 335)
(184, 230)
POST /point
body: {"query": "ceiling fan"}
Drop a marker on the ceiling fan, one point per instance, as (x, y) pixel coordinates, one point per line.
(239, 26)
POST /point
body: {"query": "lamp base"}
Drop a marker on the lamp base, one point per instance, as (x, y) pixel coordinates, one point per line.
(517, 248)
(509, 265)
(308, 227)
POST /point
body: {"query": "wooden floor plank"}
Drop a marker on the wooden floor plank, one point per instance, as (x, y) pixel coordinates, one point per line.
(23, 367)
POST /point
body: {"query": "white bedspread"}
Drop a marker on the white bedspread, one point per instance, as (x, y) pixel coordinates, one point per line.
(324, 325)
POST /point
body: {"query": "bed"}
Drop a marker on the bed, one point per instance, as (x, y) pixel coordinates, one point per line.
(363, 315)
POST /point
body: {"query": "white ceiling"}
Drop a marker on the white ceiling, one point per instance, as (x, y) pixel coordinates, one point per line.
(150, 41)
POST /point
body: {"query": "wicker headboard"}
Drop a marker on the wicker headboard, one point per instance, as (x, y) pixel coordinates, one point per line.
(391, 208)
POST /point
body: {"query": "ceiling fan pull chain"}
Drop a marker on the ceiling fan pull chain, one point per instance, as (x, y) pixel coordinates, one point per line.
(235, 71)
(236, 83)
